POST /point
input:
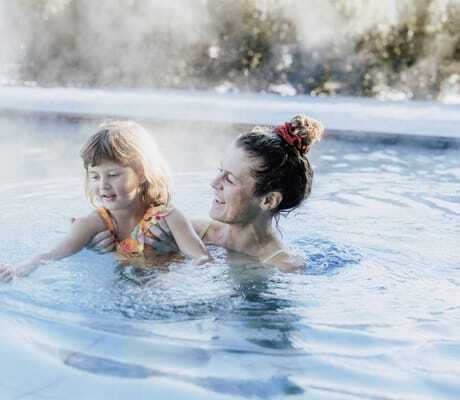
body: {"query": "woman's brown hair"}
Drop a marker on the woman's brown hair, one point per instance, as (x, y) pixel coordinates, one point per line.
(283, 164)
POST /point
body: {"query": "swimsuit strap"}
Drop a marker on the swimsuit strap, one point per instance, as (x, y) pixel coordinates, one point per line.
(206, 230)
(271, 256)
(107, 219)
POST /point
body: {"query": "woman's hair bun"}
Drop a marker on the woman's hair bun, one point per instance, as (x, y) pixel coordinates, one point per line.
(308, 130)
(301, 132)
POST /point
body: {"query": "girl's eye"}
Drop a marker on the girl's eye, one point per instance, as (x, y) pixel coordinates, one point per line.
(227, 178)
(113, 175)
(93, 177)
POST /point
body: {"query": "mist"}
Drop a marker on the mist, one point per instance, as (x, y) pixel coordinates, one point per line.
(47, 147)
(389, 49)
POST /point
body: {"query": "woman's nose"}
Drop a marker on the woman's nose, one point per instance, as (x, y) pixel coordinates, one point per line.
(216, 183)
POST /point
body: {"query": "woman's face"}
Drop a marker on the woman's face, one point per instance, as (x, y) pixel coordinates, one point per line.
(234, 201)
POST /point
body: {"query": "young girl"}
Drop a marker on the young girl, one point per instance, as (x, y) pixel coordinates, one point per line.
(127, 178)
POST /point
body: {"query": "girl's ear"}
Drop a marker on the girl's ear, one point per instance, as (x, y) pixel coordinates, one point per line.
(141, 176)
(271, 200)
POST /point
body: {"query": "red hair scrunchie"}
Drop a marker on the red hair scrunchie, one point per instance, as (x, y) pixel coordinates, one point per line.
(286, 132)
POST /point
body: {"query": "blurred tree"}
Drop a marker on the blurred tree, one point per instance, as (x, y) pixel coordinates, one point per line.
(247, 38)
(256, 45)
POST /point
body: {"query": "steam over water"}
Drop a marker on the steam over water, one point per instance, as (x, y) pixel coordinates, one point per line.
(388, 48)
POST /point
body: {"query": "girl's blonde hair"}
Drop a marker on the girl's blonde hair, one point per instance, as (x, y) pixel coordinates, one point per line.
(129, 144)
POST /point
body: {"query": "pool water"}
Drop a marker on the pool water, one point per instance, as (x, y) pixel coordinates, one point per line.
(375, 314)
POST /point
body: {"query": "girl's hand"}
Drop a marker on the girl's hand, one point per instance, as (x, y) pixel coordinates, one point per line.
(24, 269)
(202, 260)
(6, 273)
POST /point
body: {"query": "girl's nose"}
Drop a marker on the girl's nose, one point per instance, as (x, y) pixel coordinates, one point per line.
(104, 183)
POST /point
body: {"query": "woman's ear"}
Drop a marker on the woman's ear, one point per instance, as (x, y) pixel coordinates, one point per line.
(271, 200)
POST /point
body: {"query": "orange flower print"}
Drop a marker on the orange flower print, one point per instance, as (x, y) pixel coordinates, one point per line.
(128, 246)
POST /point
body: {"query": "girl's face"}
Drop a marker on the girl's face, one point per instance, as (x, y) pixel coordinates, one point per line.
(234, 201)
(115, 186)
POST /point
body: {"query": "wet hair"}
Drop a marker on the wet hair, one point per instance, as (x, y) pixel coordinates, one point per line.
(282, 164)
(127, 143)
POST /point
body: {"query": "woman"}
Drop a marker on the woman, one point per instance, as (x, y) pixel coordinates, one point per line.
(264, 173)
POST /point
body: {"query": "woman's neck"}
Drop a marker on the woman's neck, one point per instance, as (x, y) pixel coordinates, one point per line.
(255, 239)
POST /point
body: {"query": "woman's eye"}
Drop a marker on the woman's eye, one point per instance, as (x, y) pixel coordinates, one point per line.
(224, 175)
(93, 177)
(113, 175)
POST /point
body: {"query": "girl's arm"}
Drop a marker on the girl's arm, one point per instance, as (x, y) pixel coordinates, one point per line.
(81, 231)
(185, 236)
(202, 227)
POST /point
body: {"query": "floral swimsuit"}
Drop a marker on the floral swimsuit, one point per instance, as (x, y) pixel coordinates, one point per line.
(134, 245)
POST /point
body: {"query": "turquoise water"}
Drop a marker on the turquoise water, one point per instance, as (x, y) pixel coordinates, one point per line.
(374, 315)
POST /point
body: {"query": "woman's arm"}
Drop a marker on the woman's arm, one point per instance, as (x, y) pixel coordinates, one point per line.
(81, 231)
(185, 236)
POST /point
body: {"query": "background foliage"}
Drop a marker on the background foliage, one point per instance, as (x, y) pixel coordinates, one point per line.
(406, 48)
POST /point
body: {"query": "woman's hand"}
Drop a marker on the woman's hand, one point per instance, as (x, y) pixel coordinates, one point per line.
(161, 241)
(103, 242)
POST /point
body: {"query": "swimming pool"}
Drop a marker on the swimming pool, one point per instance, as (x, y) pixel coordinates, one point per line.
(374, 315)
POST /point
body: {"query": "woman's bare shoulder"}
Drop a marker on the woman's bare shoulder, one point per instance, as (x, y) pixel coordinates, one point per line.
(208, 230)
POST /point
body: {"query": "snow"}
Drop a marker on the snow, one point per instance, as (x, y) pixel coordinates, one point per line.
(337, 113)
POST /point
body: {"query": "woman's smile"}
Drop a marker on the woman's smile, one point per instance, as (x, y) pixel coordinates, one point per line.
(234, 200)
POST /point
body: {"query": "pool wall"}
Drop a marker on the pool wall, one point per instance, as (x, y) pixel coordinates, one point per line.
(428, 123)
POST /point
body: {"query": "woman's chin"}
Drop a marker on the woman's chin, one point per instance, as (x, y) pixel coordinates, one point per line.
(216, 212)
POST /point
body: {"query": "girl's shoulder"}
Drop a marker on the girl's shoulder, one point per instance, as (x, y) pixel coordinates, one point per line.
(92, 222)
